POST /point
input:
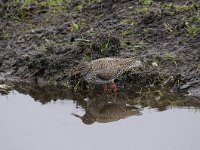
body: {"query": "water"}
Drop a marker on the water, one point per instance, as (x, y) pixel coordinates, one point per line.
(100, 123)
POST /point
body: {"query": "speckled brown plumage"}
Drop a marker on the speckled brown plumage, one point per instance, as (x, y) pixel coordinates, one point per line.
(105, 70)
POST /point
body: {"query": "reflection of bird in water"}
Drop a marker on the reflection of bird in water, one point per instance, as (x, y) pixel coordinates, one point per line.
(105, 70)
(103, 111)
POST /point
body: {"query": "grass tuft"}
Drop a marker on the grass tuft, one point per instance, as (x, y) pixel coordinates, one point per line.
(191, 30)
(146, 2)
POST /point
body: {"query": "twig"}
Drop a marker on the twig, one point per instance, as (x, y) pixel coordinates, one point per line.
(33, 73)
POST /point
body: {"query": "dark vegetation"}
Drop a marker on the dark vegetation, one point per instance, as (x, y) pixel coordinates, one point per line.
(43, 41)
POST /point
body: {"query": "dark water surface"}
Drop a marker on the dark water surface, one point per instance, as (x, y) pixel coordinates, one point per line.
(101, 123)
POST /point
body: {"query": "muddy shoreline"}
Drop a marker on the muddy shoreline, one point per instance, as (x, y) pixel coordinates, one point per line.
(40, 44)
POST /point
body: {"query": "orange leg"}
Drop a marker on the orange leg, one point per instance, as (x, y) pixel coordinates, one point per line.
(105, 87)
(114, 86)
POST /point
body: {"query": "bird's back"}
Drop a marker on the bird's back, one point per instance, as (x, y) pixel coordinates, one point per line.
(107, 69)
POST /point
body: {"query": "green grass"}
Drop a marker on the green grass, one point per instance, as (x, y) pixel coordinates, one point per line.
(170, 57)
(76, 26)
(169, 8)
(85, 3)
(128, 22)
(172, 9)
(25, 5)
(197, 18)
(183, 8)
(5, 35)
(52, 3)
(198, 68)
(144, 10)
(192, 30)
(55, 5)
(93, 1)
(139, 44)
(146, 2)
(105, 45)
(79, 7)
(124, 33)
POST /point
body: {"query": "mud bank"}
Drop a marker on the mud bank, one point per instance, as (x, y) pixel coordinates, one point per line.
(43, 44)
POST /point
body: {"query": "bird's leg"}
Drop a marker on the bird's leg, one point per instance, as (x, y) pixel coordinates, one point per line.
(105, 87)
(114, 86)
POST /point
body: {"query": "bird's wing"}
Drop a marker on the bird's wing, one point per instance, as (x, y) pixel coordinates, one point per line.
(105, 76)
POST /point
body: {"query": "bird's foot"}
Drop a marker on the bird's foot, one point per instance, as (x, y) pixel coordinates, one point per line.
(115, 87)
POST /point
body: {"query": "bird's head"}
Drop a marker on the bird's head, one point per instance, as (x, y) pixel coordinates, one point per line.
(87, 118)
(83, 68)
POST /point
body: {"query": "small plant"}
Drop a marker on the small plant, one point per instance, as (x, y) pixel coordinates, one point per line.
(55, 5)
(170, 57)
(169, 9)
(42, 49)
(79, 7)
(24, 10)
(65, 84)
(93, 1)
(138, 45)
(168, 6)
(128, 22)
(198, 68)
(197, 17)
(26, 5)
(191, 30)
(87, 58)
(183, 8)
(76, 26)
(124, 33)
(143, 10)
(146, 2)
(4, 34)
(77, 85)
(105, 45)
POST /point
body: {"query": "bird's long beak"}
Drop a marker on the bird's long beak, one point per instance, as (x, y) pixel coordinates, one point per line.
(76, 72)
(76, 115)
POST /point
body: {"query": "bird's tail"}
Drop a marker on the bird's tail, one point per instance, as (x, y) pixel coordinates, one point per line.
(132, 63)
